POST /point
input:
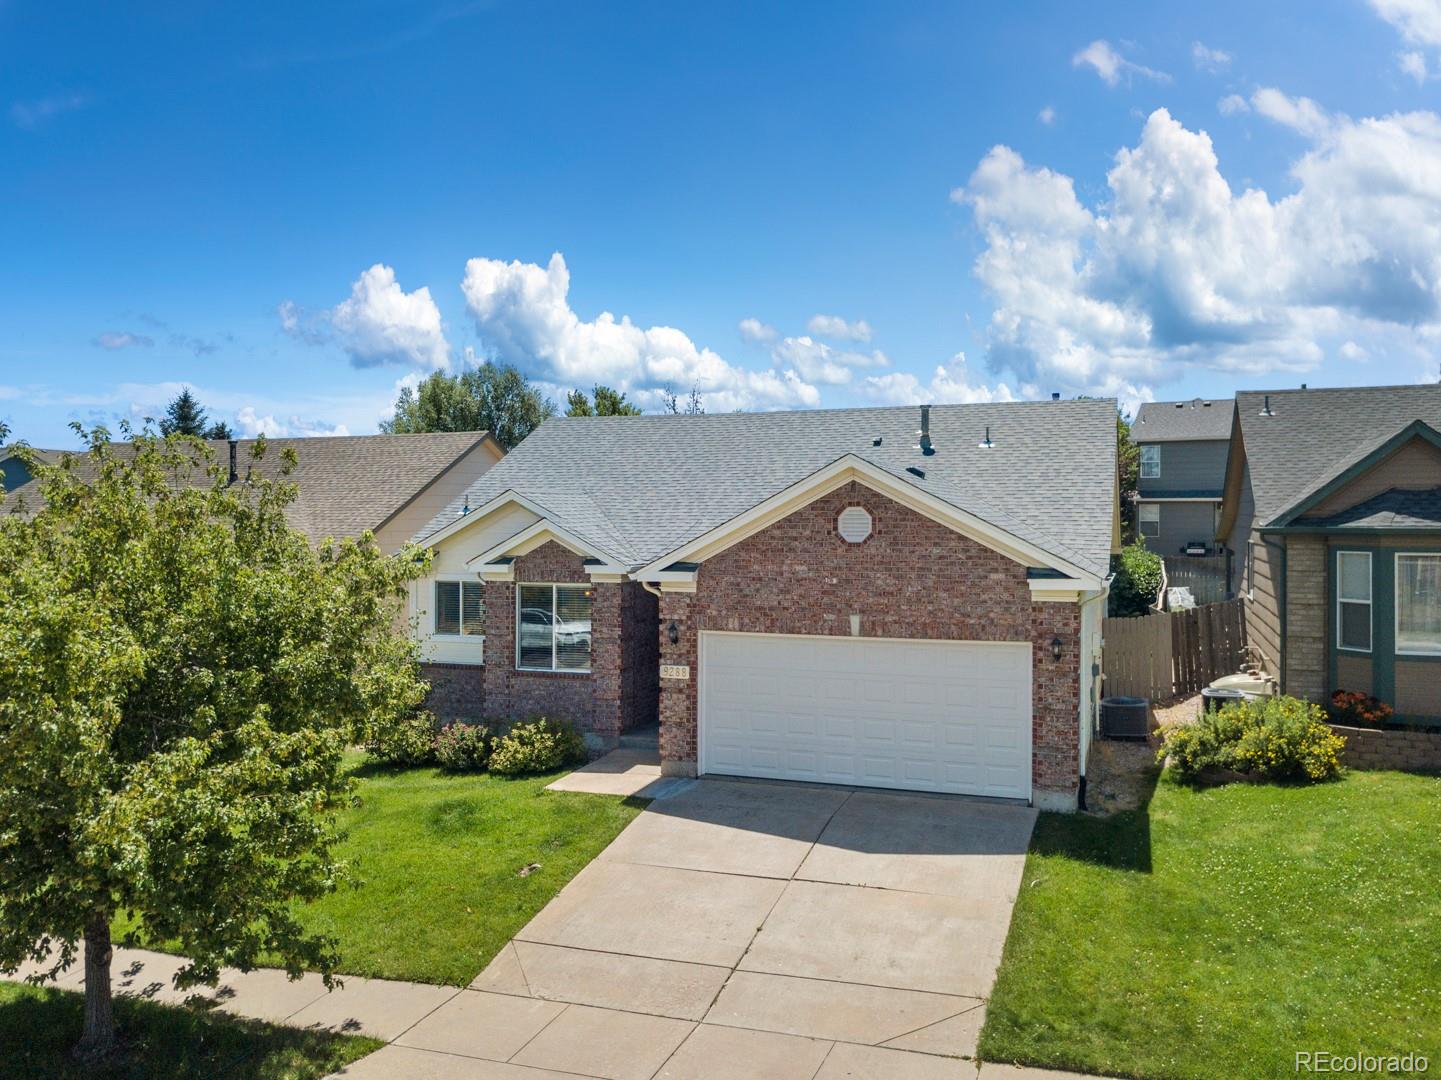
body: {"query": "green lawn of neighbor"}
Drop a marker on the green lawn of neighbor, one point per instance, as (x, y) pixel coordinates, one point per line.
(438, 857)
(1216, 932)
(38, 1028)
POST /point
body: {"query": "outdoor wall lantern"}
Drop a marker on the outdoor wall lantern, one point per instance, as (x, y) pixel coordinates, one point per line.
(672, 632)
(1055, 648)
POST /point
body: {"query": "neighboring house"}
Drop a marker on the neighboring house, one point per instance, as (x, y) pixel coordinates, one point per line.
(389, 484)
(901, 597)
(1183, 468)
(1333, 500)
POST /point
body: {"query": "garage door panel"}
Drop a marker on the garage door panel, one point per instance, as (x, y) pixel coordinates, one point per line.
(933, 716)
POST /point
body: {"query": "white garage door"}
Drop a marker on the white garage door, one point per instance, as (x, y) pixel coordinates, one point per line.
(949, 716)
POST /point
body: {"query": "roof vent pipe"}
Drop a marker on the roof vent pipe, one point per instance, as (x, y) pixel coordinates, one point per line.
(1266, 408)
(234, 473)
(926, 447)
(1055, 395)
(986, 444)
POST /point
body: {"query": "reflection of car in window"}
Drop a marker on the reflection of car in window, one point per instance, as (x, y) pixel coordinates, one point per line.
(537, 625)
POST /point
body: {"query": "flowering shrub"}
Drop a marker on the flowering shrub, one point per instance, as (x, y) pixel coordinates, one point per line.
(1356, 709)
(1282, 738)
(410, 741)
(538, 745)
(463, 747)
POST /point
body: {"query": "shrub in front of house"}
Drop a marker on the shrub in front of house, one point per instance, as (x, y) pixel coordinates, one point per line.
(537, 745)
(408, 742)
(1355, 709)
(1280, 738)
(1137, 582)
(463, 747)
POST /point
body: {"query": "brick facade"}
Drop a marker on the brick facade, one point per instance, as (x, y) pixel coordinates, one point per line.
(618, 693)
(457, 691)
(913, 578)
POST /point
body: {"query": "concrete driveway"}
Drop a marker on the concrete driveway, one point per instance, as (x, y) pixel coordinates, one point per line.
(750, 929)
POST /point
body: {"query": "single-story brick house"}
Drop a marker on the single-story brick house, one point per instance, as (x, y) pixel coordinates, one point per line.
(1333, 512)
(899, 597)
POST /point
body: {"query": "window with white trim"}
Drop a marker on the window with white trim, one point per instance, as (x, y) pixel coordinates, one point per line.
(1148, 519)
(459, 609)
(1353, 600)
(1418, 605)
(1150, 462)
(552, 627)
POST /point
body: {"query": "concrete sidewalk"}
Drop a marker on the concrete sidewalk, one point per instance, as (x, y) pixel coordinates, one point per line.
(380, 1008)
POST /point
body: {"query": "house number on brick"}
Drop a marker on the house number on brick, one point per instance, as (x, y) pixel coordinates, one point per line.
(675, 671)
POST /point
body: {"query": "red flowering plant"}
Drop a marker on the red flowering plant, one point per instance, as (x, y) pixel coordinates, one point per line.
(1355, 709)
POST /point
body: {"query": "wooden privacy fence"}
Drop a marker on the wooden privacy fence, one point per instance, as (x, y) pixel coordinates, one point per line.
(1167, 653)
(1204, 575)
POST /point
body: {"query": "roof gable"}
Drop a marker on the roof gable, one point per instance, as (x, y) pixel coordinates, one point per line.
(1309, 438)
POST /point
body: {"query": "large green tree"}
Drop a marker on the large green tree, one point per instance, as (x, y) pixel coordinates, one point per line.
(603, 401)
(492, 397)
(186, 416)
(180, 672)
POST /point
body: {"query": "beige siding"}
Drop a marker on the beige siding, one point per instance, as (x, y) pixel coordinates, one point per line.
(1418, 688)
(1414, 467)
(1306, 659)
(1263, 612)
(1353, 673)
(414, 516)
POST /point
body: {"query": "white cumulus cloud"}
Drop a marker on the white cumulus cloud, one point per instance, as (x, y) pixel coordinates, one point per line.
(1419, 21)
(251, 424)
(1232, 104)
(950, 384)
(1102, 58)
(1174, 269)
(1413, 63)
(838, 329)
(523, 314)
(756, 332)
(815, 361)
(1047, 116)
(379, 323)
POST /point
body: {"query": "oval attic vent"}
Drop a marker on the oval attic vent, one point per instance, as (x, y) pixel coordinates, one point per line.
(854, 524)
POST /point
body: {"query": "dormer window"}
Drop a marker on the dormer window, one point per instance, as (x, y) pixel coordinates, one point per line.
(1150, 462)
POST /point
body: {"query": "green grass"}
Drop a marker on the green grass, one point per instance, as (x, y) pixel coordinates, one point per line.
(39, 1027)
(437, 856)
(1219, 931)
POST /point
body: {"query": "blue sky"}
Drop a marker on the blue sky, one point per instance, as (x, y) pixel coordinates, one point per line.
(293, 209)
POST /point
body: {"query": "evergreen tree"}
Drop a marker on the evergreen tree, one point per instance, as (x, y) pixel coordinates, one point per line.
(186, 416)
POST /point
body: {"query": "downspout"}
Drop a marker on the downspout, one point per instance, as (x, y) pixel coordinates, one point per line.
(1088, 723)
(1281, 605)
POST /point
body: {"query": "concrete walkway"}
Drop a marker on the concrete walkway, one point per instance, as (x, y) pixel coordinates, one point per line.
(736, 929)
(749, 929)
(380, 1008)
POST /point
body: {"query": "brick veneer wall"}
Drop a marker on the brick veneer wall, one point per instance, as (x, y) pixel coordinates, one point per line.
(457, 691)
(618, 693)
(913, 578)
(1373, 748)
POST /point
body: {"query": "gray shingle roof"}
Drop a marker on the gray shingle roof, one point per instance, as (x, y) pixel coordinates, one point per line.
(1182, 421)
(345, 484)
(1393, 509)
(640, 487)
(350, 483)
(1315, 434)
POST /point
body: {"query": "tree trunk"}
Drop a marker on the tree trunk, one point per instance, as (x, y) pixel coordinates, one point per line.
(99, 1037)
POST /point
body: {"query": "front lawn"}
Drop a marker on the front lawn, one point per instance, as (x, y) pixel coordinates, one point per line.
(1218, 932)
(39, 1027)
(439, 857)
